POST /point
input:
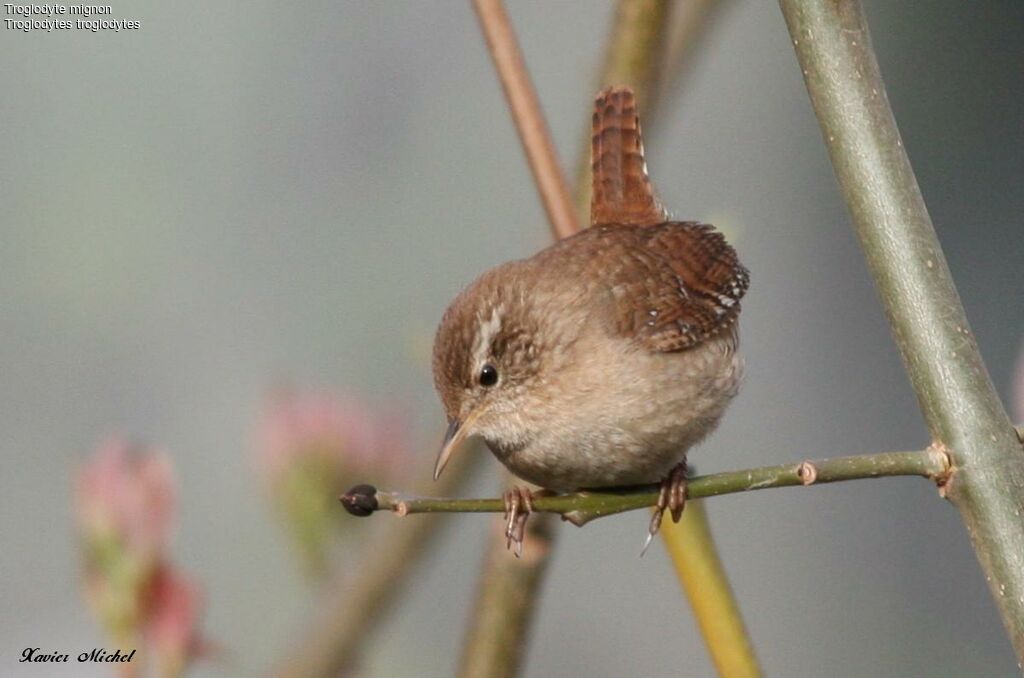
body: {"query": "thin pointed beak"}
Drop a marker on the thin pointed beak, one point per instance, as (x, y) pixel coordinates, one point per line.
(453, 438)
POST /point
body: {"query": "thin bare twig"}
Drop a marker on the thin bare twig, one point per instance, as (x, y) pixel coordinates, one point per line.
(507, 588)
(582, 507)
(529, 120)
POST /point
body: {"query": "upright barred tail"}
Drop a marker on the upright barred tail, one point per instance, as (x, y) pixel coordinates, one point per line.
(622, 191)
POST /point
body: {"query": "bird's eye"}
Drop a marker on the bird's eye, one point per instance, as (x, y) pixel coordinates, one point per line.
(488, 375)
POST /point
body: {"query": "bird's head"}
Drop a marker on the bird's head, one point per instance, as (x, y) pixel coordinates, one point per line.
(487, 360)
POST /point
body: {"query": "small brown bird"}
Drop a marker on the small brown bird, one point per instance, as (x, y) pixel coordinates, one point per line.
(601, 360)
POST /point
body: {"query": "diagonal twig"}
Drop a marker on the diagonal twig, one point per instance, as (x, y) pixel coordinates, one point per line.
(527, 115)
(355, 602)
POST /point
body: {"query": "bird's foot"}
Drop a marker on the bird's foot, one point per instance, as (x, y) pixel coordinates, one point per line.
(518, 507)
(672, 496)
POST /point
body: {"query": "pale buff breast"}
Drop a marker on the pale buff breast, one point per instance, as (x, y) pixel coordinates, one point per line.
(629, 415)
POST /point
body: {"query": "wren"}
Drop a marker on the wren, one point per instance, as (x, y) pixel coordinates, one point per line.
(601, 360)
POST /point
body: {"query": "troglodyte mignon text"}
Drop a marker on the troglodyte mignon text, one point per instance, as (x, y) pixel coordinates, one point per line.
(601, 360)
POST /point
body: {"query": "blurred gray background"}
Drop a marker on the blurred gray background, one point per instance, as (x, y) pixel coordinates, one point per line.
(240, 194)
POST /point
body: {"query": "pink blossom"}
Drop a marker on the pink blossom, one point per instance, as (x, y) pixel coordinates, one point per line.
(172, 621)
(125, 504)
(314, 445)
(127, 494)
(338, 430)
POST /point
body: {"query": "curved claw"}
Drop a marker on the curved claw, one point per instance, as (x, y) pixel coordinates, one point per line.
(671, 496)
(518, 506)
(647, 542)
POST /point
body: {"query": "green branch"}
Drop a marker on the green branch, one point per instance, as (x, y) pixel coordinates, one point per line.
(955, 393)
(582, 507)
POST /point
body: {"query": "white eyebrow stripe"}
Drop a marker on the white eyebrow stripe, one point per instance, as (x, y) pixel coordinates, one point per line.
(486, 331)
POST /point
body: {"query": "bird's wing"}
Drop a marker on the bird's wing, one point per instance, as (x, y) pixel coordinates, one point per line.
(670, 286)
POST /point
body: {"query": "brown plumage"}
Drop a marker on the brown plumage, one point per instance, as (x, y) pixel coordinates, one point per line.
(602, 359)
(622, 192)
(671, 285)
